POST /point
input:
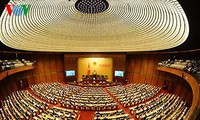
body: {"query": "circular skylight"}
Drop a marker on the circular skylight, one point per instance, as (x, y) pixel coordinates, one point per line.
(91, 6)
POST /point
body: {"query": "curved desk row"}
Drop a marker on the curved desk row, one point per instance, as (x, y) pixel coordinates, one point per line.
(195, 107)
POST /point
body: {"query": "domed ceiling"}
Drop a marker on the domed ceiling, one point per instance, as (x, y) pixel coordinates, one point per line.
(93, 25)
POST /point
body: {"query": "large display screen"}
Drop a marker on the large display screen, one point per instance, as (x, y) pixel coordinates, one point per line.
(119, 73)
(70, 72)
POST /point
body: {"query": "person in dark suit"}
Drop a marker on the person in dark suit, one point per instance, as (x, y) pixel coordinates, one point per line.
(94, 74)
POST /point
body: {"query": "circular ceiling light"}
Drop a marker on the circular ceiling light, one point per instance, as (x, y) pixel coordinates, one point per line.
(91, 6)
(93, 25)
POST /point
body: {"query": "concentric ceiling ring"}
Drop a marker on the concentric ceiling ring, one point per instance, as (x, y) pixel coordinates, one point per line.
(125, 25)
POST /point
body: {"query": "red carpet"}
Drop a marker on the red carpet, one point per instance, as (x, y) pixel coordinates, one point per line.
(127, 111)
(86, 115)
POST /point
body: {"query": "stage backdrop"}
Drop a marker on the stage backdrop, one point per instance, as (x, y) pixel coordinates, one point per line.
(102, 66)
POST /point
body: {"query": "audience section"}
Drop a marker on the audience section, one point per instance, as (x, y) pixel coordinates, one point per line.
(57, 114)
(75, 97)
(133, 94)
(90, 98)
(2, 114)
(22, 105)
(54, 92)
(163, 107)
(68, 101)
(10, 64)
(111, 115)
(190, 66)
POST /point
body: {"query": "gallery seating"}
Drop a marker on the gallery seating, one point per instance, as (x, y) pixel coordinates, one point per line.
(190, 66)
(10, 64)
(165, 106)
(114, 115)
(133, 94)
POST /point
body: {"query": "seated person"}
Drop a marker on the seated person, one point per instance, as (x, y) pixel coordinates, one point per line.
(94, 73)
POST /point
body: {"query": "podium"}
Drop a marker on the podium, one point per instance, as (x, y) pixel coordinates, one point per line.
(94, 79)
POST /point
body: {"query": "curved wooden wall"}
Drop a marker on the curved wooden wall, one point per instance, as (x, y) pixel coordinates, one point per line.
(195, 107)
(141, 68)
(49, 68)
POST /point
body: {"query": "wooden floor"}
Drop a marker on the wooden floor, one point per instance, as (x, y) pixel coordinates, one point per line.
(88, 115)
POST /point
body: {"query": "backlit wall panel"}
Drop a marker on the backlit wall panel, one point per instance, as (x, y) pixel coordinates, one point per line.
(102, 66)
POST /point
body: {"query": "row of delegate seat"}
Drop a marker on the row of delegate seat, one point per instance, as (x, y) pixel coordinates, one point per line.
(133, 94)
(2, 115)
(21, 105)
(57, 114)
(75, 97)
(163, 107)
(54, 92)
(90, 98)
(111, 115)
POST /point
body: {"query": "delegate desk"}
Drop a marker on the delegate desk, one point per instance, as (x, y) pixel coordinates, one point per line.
(94, 79)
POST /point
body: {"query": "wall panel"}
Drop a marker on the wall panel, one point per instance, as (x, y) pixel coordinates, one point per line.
(71, 62)
(188, 97)
(149, 69)
(141, 68)
(183, 92)
(48, 68)
(40, 69)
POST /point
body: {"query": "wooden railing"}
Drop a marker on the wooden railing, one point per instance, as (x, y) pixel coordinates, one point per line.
(14, 70)
(195, 107)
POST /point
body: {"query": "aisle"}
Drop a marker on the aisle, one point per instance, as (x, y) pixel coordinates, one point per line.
(86, 115)
(127, 111)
